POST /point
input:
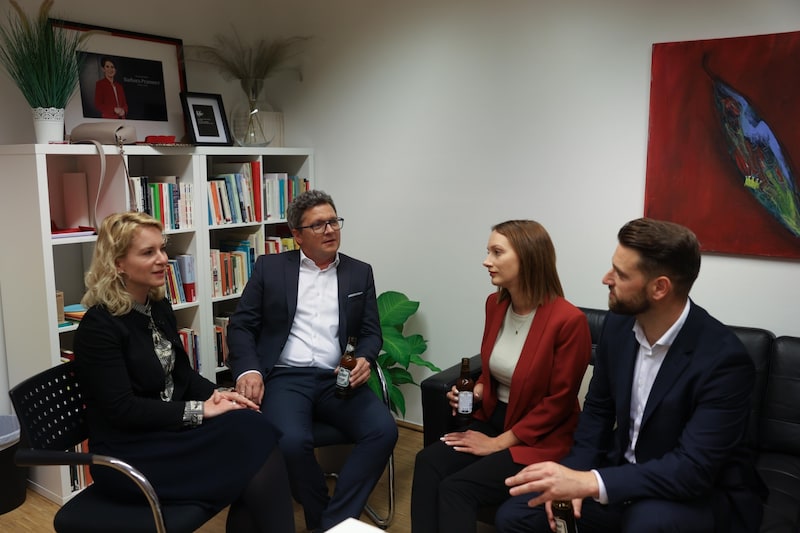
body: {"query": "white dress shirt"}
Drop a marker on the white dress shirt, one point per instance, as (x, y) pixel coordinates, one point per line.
(314, 337)
(648, 363)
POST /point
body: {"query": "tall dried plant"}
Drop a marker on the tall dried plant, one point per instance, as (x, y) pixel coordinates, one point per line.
(251, 63)
(40, 58)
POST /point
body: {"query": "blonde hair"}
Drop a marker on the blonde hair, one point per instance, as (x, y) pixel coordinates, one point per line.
(104, 284)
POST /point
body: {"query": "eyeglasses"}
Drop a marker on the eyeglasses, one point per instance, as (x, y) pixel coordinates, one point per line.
(319, 227)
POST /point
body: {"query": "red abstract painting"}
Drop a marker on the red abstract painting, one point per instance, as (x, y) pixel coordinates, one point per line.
(724, 142)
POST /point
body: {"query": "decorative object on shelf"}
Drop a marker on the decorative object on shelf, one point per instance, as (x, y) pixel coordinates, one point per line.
(205, 119)
(254, 122)
(42, 61)
(399, 351)
(154, 108)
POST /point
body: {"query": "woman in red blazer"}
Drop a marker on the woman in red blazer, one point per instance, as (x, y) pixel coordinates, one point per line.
(535, 350)
(109, 96)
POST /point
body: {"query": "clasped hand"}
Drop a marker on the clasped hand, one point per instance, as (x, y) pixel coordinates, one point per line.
(223, 401)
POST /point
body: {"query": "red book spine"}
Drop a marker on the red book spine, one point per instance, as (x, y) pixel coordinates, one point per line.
(255, 174)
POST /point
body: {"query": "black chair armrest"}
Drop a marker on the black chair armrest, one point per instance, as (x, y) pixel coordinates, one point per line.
(437, 416)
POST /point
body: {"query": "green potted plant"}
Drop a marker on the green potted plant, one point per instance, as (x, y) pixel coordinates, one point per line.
(41, 59)
(399, 350)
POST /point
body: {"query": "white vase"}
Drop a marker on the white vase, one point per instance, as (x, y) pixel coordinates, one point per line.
(48, 124)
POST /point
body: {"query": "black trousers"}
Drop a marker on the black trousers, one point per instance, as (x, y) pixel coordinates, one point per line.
(450, 486)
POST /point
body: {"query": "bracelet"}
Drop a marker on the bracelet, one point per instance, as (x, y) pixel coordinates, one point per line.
(193, 413)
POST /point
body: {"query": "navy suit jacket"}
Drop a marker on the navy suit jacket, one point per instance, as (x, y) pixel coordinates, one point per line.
(260, 327)
(691, 439)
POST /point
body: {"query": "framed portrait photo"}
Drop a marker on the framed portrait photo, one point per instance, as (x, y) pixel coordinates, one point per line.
(127, 76)
(205, 119)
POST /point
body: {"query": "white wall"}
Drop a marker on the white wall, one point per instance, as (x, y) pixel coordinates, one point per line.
(433, 120)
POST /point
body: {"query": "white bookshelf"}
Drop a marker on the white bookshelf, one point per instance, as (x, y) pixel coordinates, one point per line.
(36, 265)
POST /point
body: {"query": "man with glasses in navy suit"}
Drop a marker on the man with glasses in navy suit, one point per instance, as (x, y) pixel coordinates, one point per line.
(285, 341)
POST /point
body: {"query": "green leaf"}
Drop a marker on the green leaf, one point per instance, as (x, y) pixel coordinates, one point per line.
(417, 360)
(416, 344)
(395, 344)
(394, 308)
(397, 401)
(399, 351)
(400, 376)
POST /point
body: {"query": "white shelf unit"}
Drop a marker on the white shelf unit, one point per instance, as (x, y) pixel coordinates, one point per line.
(292, 161)
(36, 265)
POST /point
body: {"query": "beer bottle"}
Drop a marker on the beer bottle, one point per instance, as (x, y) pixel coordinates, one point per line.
(564, 516)
(465, 386)
(346, 364)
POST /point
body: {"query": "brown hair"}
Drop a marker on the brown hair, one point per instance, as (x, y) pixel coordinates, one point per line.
(665, 249)
(539, 279)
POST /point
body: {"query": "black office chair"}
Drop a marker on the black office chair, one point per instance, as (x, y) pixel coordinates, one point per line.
(52, 419)
(326, 435)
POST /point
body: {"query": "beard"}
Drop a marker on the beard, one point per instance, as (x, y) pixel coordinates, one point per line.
(635, 305)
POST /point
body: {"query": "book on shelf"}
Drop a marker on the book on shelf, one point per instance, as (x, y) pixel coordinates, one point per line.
(221, 329)
(74, 312)
(75, 195)
(279, 191)
(216, 274)
(273, 245)
(218, 188)
(188, 276)
(167, 199)
(249, 181)
(274, 185)
(189, 341)
(174, 283)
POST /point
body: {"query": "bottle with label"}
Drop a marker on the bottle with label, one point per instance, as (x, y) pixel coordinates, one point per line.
(465, 386)
(346, 364)
(564, 516)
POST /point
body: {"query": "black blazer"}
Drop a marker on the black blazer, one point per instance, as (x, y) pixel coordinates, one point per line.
(122, 377)
(691, 440)
(259, 329)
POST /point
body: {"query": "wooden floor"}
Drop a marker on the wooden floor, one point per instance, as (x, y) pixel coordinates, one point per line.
(36, 514)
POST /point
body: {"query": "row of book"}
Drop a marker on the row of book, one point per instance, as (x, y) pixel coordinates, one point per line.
(180, 279)
(190, 344)
(279, 191)
(239, 193)
(165, 198)
(235, 193)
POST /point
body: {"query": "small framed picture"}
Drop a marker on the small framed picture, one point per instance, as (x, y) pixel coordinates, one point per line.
(205, 119)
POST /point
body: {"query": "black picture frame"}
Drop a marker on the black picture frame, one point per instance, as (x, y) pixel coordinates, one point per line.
(141, 52)
(206, 124)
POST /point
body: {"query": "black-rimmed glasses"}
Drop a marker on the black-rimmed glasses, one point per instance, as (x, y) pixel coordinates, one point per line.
(319, 227)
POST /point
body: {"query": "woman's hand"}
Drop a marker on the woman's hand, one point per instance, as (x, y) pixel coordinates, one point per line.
(223, 401)
(452, 397)
(473, 442)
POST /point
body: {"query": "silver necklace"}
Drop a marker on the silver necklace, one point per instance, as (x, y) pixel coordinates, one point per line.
(517, 321)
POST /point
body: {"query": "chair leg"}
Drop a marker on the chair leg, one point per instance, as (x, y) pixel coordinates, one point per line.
(384, 521)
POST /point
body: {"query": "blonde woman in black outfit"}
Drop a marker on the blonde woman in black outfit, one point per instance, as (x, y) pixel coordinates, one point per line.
(147, 406)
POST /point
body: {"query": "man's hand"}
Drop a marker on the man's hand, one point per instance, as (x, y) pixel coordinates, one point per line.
(251, 386)
(360, 374)
(554, 482)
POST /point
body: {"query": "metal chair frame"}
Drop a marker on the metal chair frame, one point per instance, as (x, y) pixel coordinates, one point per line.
(52, 414)
(334, 438)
